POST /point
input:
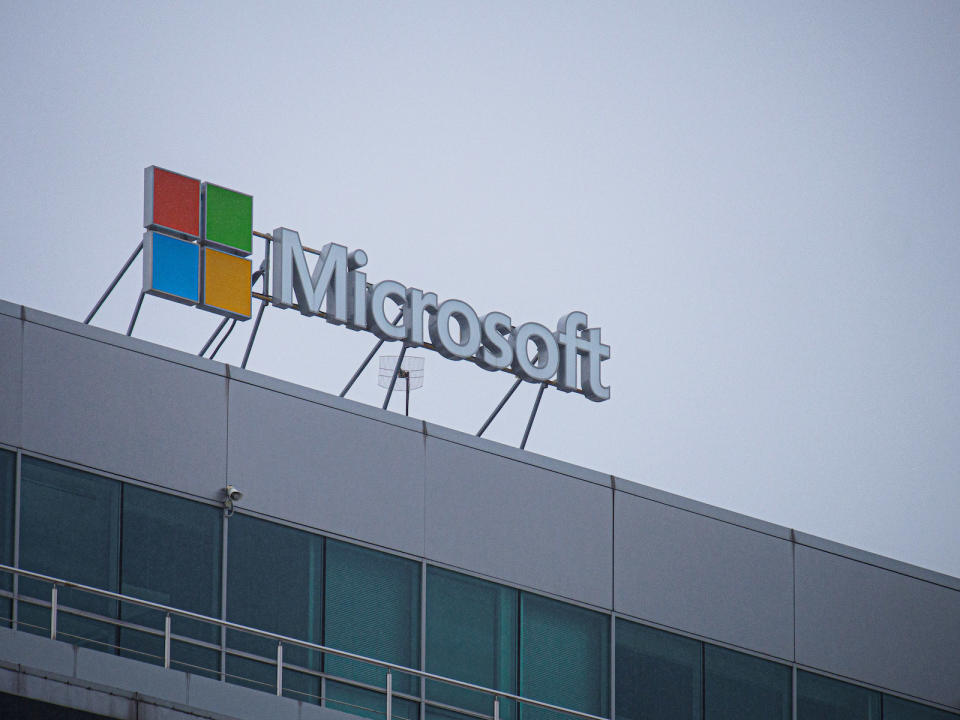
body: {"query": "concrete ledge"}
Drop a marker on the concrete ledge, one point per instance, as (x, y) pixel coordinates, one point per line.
(239, 702)
(131, 675)
(11, 309)
(36, 651)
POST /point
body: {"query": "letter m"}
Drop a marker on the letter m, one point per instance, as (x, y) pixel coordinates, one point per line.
(292, 276)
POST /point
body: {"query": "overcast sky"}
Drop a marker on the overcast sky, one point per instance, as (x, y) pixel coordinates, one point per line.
(757, 202)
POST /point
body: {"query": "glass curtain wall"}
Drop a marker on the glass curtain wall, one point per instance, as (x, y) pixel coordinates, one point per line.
(743, 687)
(171, 550)
(472, 635)
(823, 698)
(564, 657)
(895, 708)
(659, 675)
(274, 583)
(371, 608)
(8, 466)
(69, 528)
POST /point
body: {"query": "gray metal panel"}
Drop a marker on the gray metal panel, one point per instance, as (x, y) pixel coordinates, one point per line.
(124, 412)
(11, 347)
(703, 576)
(125, 674)
(239, 702)
(519, 523)
(34, 651)
(98, 702)
(878, 626)
(327, 468)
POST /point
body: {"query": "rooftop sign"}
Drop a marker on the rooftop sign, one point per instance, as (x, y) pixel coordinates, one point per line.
(196, 249)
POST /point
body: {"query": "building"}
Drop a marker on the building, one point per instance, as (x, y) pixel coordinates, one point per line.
(390, 537)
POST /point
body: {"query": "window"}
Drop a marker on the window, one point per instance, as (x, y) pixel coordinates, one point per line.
(8, 465)
(896, 709)
(659, 675)
(471, 636)
(69, 528)
(371, 607)
(822, 698)
(274, 583)
(171, 555)
(743, 687)
(564, 656)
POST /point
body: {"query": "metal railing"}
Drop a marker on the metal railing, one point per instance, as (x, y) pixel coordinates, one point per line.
(57, 607)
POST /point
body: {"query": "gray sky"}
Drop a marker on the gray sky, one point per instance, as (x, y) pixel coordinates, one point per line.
(757, 202)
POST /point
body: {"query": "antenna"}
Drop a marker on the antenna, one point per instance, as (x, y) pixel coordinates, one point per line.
(405, 372)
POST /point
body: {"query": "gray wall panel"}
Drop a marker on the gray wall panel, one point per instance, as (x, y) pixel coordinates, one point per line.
(878, 626)
(123, 412)
(11, 346)
(327, 468)
(518, 523)
(703, 576)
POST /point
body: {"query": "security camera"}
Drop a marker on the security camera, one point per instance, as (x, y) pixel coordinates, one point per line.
(230, 496)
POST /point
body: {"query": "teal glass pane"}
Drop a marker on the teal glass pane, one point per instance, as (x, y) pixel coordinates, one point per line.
(8, 466)
(823, 698)
(70, 529)
(471, 636)
(659, 674)
(372, 608)
(171, 555)
(895, 708)
(564, 657)
(368, 703)
(743, 687)
(274, 583)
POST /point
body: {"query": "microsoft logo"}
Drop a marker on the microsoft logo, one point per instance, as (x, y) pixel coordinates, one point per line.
(198, 241)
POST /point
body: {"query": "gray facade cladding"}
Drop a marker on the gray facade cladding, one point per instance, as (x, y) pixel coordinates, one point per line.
(145, 414)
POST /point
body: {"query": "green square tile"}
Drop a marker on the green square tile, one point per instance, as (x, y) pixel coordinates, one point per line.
(228, 219)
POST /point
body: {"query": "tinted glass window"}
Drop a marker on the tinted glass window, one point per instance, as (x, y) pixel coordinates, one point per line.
(70, 528)
(822, 698)
(8, 464)
(743, 687)
(659, 675)
(564, 656)
(275, 583)
(171, 555)
(372, 607)
(471, 636)
(896, 709)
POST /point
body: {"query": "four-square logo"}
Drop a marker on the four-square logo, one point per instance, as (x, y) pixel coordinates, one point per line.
(198, 241)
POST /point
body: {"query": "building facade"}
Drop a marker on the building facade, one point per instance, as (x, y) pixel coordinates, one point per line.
(390, 537)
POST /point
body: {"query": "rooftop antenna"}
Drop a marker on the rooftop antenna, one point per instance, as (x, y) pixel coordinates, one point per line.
(404, 369)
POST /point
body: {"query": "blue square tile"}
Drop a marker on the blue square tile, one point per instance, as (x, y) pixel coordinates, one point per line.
(171, 268)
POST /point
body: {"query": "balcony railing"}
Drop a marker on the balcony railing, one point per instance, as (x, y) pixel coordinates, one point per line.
(57, 607)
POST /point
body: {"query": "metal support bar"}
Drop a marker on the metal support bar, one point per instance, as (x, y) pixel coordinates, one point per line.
(499, 407)
(533, 414)
(233, 324)
(213, 337)
(53, 613)
(166, 641)
(253, 335)
(496, 707)
(363, 365)
(393, 380)
(116, 279)
(279, 668)
(136, 313)
(389, 695)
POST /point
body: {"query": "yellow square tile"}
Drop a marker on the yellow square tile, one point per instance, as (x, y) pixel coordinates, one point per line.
(226, 284)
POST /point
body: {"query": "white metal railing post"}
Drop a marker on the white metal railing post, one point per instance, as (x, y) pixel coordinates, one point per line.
(166, 641)
(279, 668)
(389, 694)
(496, 707)
(53, 612)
